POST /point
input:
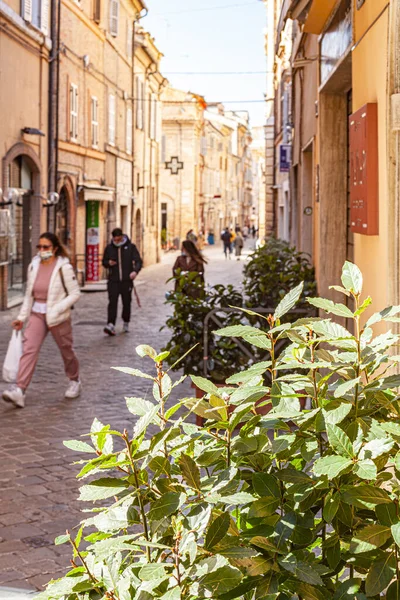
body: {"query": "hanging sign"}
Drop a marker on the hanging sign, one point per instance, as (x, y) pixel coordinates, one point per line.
(92, 241)
(285, 158)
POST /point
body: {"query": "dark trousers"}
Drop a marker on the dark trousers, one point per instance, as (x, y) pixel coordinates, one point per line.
(116, 289)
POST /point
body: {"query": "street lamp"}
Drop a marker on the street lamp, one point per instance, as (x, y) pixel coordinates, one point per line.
(12, 196)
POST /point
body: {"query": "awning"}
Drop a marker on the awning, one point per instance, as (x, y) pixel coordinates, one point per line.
(99, 193)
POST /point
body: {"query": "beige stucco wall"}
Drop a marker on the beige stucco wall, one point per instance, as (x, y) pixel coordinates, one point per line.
(370, 60)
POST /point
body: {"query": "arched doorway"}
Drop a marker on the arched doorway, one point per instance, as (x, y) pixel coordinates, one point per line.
(21, 171)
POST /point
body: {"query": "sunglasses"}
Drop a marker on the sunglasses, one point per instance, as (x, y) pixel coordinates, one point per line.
(43, 247)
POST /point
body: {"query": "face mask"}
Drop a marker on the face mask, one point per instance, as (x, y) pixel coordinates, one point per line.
(45, 254)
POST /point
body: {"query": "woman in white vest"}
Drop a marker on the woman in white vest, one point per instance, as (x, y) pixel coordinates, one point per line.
(51, 291)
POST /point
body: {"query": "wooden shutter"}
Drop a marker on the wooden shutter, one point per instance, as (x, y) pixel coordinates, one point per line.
(163, 149)
(139, 103)
(111, 119)
(129, 36)
(97, 11)
(44, 16)
(153, 124)
(73, 115)
(95, 121)
(114, 14)
(27, 10)
(129, 130)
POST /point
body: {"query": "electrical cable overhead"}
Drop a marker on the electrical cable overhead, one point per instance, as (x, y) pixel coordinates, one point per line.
(220, 7)
(217, 72)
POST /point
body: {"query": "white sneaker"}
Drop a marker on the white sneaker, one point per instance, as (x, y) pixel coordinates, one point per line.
(125, 328)
(109, 329)
(15, 395)
(73, 390)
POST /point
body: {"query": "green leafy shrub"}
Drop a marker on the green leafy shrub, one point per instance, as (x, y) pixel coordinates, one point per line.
(186, 325)
(274, 270)
(298, 504)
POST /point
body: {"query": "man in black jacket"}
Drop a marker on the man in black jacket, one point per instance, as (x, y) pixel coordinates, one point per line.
(122, 259)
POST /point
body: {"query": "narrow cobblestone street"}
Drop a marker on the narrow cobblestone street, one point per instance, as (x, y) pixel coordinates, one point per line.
(38, 485)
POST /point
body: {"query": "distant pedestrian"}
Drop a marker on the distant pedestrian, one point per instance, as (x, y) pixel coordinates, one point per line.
(227, 244)
(211, 239)
(191, 236)
(253, 231)
(245, 232)
(123, 261)
(238, 243)
(189, 262)
(200, 241)
(51, 292)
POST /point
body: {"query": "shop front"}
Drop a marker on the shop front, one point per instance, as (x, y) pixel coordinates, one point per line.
(94, 208)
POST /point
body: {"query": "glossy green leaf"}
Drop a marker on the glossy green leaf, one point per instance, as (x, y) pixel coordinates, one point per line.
(217, 530)
(330, 307)
(331, 466)
(365, 469)
(380, 575)
(79, 446)
(164, 506)
(365, 496)
(101, 489)
(393, 591)
(339, 441)
(369, 538)
(288, 301)
(352, 279)
(347, 589)
(190, 471)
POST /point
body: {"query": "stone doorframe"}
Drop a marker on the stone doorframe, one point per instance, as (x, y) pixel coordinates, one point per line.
(22, 149)
(66, 182)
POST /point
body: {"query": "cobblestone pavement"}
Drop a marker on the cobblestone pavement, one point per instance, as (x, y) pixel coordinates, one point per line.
(38, 488)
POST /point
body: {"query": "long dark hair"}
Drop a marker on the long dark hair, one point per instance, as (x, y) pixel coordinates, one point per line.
(55, 241)
(193, 252)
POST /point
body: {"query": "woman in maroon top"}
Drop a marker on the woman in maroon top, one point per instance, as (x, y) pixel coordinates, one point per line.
(190, 261)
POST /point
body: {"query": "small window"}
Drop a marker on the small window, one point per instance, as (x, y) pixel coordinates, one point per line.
(111, 120)
(129, 130)
(153, 116)
(73, 112)
(97, 11)
(164, 149)
(94, 117)
(139, 103)
(114, 17)
(129, 38)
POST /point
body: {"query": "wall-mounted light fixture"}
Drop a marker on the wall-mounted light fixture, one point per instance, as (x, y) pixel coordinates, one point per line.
(32, 131)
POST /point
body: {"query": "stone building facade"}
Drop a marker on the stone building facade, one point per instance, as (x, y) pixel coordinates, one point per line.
(25, 48)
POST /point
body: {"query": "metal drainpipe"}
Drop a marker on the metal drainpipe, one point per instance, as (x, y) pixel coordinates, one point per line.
(134, 101)
(57, 107)
(51, 176)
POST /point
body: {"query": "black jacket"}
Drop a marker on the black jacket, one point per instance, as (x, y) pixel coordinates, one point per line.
(226, 238)
(127, 258)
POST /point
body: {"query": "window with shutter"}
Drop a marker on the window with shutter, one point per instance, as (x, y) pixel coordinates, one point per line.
(27, 10)
(114, 14)
(73, 112)
(111, 120)
(163, 149)
(139, 103)
(94, 109)
(129, 36)
(44, 16)
(153, 117)
(97, 11)
(129, 130)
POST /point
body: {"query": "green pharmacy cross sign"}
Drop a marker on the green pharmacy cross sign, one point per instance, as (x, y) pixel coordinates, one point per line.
(174, 165)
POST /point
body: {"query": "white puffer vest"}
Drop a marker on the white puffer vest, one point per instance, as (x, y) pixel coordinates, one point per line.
(58, 303)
